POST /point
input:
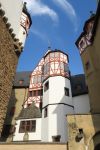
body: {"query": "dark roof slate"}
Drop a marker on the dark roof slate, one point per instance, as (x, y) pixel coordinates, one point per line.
(24, 76)
(76, 81)
(30, 112)
(78, 85)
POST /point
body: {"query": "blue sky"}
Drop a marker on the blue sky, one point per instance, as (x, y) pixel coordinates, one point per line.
(57, 23)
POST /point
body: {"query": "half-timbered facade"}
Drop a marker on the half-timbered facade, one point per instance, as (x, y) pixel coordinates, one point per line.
(49, 100)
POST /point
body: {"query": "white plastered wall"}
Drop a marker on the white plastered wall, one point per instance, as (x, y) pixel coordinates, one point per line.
(55, 123)
(13, 11)
(81, 104)
(32, 135)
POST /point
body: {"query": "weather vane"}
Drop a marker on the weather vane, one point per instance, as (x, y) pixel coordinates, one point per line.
(49, 44)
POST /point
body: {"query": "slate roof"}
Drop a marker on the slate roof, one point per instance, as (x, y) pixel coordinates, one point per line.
(24, 77)
(78, 85)
(30, 112)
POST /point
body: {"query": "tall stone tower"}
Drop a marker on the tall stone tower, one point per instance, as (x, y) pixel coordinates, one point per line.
(89, 47)
(57, 99)
(14, 24)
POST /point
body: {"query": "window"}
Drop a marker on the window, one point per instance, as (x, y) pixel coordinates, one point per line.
(34, 93)
(12, 111)
(61, 65)
(87, 65)
(40, 92)
(45, 112)
(66, 91)
(41, 106)
(21, 82)
(46, 86)
(66, 68)
(30, 93)
(37, 92)
(27, 126)
(56, 138)
(46, 69)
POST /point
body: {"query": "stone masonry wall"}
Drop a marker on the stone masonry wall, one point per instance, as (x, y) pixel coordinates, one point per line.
(8, 62)
(37, 146)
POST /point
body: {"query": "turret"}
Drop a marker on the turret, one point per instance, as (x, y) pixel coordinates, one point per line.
(89, 44)
(57, 99)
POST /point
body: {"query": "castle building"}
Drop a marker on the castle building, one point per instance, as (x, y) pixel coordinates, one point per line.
(50, 105)
(86, 133)
(15, 22)
(53, 93)
(89, 45)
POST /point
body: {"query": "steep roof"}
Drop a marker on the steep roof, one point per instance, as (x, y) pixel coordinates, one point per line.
(96, 18)
(78, 85)
(24, 77)
(30, 112)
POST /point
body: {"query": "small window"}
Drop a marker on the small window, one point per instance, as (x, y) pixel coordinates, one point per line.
(35, 93)
(66, 68)
(66, 91)
(30, 93)
(87, 65)
(21, 82)
(56, 138)
(82, 44)
(81, 131)
(40, 92)
(46, 86)
(27, 126)
(41, 106)
(45, 112)
(12, 111)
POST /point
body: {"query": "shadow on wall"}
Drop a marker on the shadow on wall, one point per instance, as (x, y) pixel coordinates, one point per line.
(8, 127)
(61, 111)
(94, 143)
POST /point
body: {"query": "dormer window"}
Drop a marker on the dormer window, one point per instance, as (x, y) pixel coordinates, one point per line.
(21, 82)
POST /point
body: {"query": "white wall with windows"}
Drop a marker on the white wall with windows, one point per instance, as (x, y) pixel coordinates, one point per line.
(34, 132)
(58, 103)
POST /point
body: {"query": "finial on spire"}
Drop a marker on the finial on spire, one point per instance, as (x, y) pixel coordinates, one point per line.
(49, 44)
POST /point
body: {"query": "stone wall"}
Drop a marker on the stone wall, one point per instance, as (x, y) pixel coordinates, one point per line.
(27, 146)
(90, 124)
(17, 99)
(8, 62)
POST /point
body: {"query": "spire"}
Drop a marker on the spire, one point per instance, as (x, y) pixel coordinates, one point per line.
(49, 45)
(49, 48)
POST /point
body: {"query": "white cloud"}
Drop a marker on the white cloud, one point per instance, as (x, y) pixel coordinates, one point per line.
(38, 34)
(69, 10)
(36, 7)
